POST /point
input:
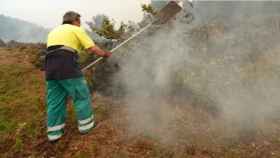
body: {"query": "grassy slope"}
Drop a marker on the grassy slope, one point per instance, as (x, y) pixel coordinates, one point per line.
(22, 125)
(21, 101)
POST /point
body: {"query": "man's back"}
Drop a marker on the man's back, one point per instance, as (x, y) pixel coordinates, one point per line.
(71, 36)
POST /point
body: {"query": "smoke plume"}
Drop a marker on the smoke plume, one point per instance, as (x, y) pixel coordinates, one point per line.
(226, 61)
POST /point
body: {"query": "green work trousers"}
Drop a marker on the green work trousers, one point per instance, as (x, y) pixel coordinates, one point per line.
(57, 93)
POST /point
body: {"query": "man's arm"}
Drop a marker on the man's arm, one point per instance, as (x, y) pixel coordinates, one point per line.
(89, 45)
(98, 51)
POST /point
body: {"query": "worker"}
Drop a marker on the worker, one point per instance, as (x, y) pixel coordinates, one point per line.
(64, 77)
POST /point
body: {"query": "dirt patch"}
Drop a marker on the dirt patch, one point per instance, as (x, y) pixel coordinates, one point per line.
(198, 135)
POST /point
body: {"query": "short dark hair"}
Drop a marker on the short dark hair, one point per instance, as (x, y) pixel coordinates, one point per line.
(70, 16)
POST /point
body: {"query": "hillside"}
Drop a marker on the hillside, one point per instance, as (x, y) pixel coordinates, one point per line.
(22, 31)
(177, 128)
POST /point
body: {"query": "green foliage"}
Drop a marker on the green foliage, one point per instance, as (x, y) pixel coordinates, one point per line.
(108, 30)
(18, 144)
(6, 125)
(148, 9)
(81, 154)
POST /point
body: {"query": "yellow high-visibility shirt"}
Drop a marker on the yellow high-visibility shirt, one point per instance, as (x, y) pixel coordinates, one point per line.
(71, 36)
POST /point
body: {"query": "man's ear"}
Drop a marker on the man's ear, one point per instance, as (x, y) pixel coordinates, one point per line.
(76, 23)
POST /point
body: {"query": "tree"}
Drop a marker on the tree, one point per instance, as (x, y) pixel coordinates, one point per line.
(98, 20)
(105, 27)
(148, 9)
(122, 29)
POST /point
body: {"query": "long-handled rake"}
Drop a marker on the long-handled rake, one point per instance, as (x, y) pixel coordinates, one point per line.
(164, 15)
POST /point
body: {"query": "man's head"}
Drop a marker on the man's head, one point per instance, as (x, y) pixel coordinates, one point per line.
(72, 18)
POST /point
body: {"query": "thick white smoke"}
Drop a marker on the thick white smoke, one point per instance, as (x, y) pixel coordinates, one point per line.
(227, 59)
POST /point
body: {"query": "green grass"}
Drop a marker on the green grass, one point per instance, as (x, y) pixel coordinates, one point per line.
(81, 154)
(20, 105)
(22, 108)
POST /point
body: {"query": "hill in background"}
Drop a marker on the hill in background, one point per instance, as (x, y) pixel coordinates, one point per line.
(21, 31)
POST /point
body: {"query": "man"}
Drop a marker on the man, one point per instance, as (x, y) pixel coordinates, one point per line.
(64, 77)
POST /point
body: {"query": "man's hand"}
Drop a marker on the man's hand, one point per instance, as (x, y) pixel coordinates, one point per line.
(107, 54)
(96, 50)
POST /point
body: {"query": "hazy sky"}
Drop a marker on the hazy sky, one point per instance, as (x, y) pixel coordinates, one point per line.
(49, 12)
